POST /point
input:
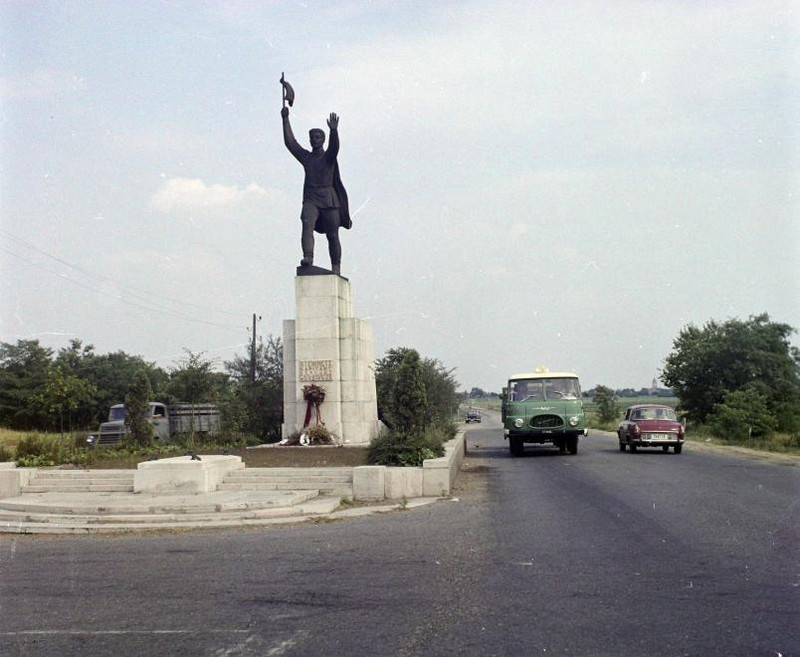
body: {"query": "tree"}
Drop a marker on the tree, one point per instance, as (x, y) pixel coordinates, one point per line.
(194, 381)
(111, 375)
(607, 403)
(23, 372)
(257, 406)
(64, 393)
(410, 403)
(137, 405)
(441, 396)
(440, 390)
(705, 363)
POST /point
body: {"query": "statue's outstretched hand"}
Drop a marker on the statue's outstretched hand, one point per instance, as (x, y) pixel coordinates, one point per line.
(285, 112)
(333, 121)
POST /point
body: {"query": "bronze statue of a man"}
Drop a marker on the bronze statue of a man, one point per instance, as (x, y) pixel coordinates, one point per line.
(325, 206)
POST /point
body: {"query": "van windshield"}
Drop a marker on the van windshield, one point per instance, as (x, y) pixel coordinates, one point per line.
(549, 389)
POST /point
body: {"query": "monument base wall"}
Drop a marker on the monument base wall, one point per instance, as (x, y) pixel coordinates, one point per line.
(327, 346)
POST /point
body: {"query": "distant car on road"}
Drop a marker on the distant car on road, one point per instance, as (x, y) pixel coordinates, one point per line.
(472, 416)
(650, 425)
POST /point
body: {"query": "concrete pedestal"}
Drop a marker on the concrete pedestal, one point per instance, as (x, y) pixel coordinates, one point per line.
(327, 346)
(181, 474)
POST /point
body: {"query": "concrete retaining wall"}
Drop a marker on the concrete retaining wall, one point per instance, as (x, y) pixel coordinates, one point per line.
(9, 479)
(12, 478)
(434, 479)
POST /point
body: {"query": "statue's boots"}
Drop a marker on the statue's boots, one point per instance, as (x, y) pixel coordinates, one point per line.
(307, 261)
(336, 269)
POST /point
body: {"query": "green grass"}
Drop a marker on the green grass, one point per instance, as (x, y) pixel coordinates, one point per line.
(485, 403)
(10, 438)
(783, 443)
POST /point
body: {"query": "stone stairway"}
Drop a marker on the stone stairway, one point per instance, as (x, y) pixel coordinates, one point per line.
(82, 513)
(80, 481)
(103, 501)
(334, 481)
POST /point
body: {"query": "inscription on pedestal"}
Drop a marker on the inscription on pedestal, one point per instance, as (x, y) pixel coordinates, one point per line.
(316, 370)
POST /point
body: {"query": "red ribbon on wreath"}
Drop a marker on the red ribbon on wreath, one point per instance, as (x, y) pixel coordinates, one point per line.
(314, 396)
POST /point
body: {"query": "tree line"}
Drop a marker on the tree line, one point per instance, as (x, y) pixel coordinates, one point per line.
(739, 378)
(73, 388)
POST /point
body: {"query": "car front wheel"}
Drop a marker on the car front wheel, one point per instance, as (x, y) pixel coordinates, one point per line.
(678, 449)
(621, 446)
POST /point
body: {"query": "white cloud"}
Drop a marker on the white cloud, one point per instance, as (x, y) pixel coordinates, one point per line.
(191, 194)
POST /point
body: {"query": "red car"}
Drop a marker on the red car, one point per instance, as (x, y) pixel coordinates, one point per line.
(650, 425)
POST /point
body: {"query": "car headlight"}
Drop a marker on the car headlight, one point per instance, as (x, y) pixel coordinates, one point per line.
(519, 422)
(573, 421)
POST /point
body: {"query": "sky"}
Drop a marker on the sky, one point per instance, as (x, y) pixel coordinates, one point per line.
(559, 184)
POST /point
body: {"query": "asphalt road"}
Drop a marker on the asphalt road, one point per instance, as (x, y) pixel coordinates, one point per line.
(602, 553)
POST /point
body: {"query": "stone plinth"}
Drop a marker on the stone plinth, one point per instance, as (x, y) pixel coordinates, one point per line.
(327, 346)
(183, 475)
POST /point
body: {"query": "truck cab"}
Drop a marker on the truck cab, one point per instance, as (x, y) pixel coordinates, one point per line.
(544, 408)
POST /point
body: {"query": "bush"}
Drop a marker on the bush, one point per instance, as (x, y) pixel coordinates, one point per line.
(394, 448)
(742, 414)
(39, 450)
(608, 409)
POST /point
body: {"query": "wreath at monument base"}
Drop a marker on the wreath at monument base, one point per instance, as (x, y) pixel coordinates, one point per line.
(318, 434)
(314, 395)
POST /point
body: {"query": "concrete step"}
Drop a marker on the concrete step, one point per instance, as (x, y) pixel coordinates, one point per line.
(296, 472)
(341, 489)
(316, 504)
(76, 487)
(184, 505)
(328, 481)
(82, 481)
(26, 523)
(307, 482)
(86, 481)
(85, 474)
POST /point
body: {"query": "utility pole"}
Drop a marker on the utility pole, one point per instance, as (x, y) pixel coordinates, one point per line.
(253, 353)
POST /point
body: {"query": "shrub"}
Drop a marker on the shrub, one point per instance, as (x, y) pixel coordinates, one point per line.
(42, 450)
(607, 404)
(742, 414)
(394, 448)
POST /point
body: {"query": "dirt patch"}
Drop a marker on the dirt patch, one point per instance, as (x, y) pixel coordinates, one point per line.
(303, 457)
(271, 456)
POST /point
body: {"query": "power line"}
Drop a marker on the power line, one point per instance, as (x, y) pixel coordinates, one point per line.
(152, 307)
(136, 292)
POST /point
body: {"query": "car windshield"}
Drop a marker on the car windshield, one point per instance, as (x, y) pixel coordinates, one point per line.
(549, 389)
(654, 414)
(117, 413)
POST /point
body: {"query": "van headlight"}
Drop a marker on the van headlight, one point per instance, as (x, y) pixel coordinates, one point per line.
(519, 422)
(573, 421)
